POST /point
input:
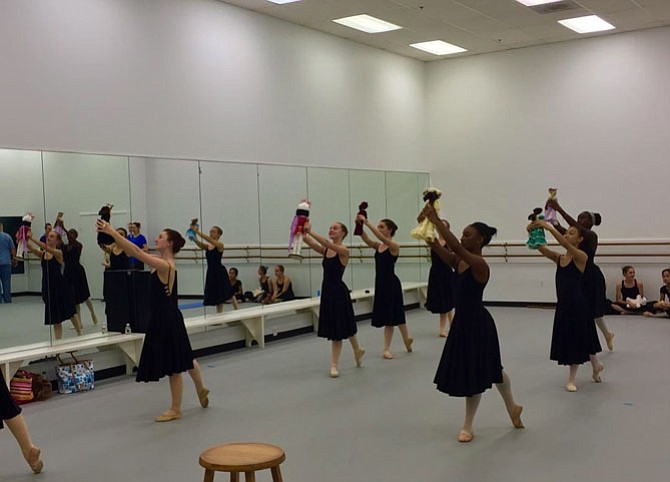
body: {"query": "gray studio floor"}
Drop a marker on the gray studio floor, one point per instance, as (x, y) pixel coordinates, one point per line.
(383, 422)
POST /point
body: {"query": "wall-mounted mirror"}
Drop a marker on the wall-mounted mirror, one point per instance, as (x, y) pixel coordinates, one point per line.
(22, 309)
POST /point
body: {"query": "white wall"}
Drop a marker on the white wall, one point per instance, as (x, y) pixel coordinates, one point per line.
(590, 117)
(201, 79)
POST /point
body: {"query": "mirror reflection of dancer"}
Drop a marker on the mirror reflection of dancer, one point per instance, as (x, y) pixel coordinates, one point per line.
(75, 274)
(388, 308)
(10, 413)
(470, 362)
(440, 296)
(282, 289)
(218, 289)
(593, 281)
(56, 292)
(336, 313)
(166, 349)
(574, 339)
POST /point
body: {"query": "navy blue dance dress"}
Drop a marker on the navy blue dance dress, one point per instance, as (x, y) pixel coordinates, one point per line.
(218, 289)
(75, 274)
(336, 313)
(56, 293)
(388, 308)
(574, 335)
(166, 349)
(470, 362)
(440, 296)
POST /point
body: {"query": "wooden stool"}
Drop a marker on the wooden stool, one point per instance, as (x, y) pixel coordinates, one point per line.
(242, 457)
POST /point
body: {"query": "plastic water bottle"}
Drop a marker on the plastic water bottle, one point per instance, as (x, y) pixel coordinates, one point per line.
(128, 330)
(103, 328)
(318, 293)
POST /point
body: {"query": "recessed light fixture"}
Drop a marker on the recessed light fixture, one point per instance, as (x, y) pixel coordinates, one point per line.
(281, 2)
(367, 23)
(438, 47)
(532, 3)
(590, 23)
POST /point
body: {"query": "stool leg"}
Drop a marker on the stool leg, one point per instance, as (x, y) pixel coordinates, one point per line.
(234, 477)
(209, 475)
(250, 476)
(276, 474)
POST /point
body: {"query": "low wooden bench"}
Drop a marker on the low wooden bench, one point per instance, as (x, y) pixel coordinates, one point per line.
(11, 359)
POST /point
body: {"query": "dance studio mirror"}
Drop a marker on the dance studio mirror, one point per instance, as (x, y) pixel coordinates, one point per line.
(253, 204)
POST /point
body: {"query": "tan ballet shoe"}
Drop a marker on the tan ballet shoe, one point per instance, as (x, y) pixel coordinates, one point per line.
(571, 387)
(408, 344)
(465, 436)
(168, 416)
(387, 355)
(358, 356)
(444, 334)
(203, 397)
(33, 459)
(516, 417)
(596, 373)
(609, 339)
(334, 373)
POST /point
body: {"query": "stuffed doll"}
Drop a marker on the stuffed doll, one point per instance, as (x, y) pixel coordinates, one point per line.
(536, 236)
(358, 230)
(549, 212)
(638, 302)
(426, 230)
(105, 214)
(190, 233)
(59, 227)
(295, 234)
(22, 235)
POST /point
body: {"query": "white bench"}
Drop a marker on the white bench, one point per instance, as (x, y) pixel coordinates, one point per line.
(12, 359)
(253, 319)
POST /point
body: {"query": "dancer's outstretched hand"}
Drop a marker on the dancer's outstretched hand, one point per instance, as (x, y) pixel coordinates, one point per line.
(103, 227)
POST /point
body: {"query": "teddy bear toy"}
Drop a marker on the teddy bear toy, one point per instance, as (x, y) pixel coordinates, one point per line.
(426, 230)
(190, 232)
(22, 235)
(536, 236)
(549, 212)
(295, 233)
(637, 302)
(358, 230)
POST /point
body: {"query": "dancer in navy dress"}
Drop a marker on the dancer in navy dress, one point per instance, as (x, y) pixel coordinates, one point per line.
(593, 280)
(574, 339)
(283, 287)
(336, 313)
(218, 289)
(388, 309)
(440, 296)
(166, 349)
(75, 274)
(56, 292)
(470, 362)
(10, 413)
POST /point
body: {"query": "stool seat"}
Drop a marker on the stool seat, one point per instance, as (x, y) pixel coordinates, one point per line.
(247, 457)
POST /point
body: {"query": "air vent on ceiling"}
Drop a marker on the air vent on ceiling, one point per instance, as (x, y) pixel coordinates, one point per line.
(555, 7)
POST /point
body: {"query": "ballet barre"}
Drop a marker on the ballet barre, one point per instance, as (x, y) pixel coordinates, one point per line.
(19, 356)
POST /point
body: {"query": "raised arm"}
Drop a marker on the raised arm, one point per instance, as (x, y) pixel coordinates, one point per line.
(155, 262)
(578, 255)
(340, 249)
(392, 245)
(364, 236)
(57, 253)
(312, 243)
(214, 242)
(559, 209)
(445, 255)
(480, 269)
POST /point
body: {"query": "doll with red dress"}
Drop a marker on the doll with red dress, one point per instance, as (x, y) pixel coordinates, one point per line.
(22, 235)
(295, 233)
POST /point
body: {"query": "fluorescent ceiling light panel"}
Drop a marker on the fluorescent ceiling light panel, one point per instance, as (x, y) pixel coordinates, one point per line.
(281, 2)
(367, 23)
(590, 23)
(438, 47)
(532, 3)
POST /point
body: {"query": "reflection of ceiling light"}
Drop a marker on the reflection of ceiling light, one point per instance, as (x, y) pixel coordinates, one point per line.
(283, 1)
(532, 3)
(438, 47)
(367, 23)
(590, 23)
